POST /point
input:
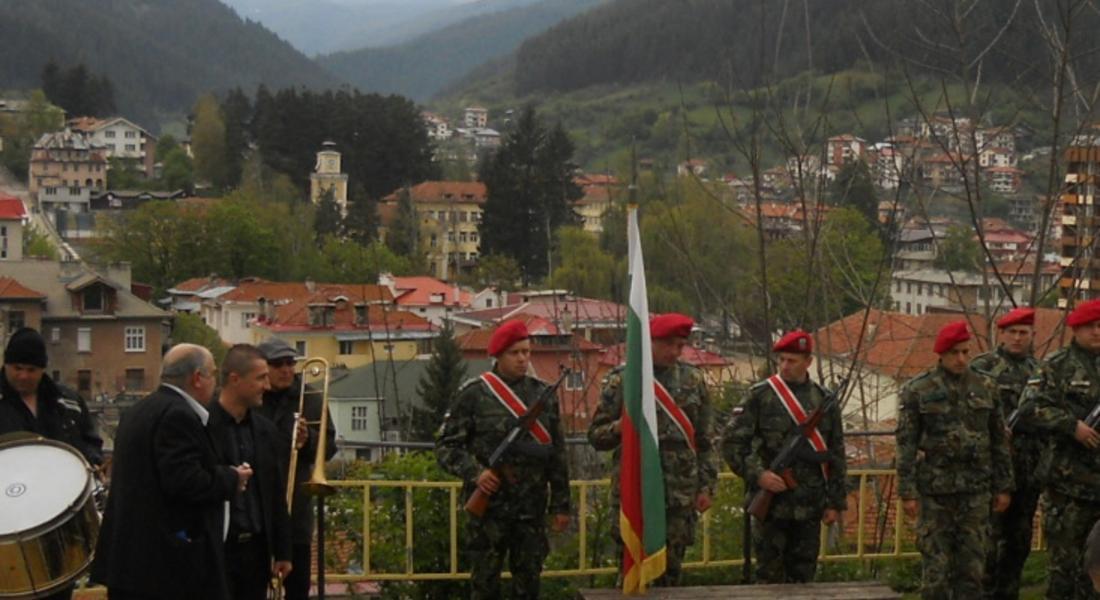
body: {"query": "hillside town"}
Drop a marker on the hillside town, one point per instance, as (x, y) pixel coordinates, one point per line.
(796, 308)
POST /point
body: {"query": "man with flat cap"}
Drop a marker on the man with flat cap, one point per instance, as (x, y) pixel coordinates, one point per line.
(1067, 390)
(280, 405)
(1010, 367)
(533, 484)
(31, 401)
(787, 542)
(954, 467)
(684, 431)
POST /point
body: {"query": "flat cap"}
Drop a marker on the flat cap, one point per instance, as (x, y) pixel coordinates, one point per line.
(274, 348)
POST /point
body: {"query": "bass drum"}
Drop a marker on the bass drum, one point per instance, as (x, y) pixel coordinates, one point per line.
(48, 519)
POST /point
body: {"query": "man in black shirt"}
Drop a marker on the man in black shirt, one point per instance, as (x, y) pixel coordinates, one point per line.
(259, 524)
(30, 401)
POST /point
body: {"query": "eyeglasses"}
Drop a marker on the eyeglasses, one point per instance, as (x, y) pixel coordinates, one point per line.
(281, 362)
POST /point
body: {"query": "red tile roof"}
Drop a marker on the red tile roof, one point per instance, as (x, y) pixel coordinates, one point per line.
(10, 289)
(11, 208)
(418, 291)
(252, 290)
(477, 340)
(440, 191)
(584, 311)
(900, 346)
(698, 357)
(294, 316)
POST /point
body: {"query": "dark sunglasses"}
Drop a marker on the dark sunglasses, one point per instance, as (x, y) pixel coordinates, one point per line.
(281, 362)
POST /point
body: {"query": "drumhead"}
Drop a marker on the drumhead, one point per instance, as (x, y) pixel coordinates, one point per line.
(38, 483)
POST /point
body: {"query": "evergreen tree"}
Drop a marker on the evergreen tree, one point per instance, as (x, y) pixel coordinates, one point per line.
(237, 111)
(403, 236)
(530, 194)
(329, 221)
(361, 224)
(442, 377)
(853, 188)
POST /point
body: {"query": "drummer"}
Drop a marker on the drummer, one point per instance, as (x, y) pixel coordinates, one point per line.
(31, 401)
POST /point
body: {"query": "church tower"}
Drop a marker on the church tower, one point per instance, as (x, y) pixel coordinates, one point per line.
(326, 175)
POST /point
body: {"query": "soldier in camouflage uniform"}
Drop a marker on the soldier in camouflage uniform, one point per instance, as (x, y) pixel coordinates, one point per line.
(787, 542)
(515, 522)
(1068, 388)
(1010, 366)
(690, 466)
(953, 455)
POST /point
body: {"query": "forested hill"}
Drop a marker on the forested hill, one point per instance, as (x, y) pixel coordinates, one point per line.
(159, 54)
(633, 41)
(424, 65)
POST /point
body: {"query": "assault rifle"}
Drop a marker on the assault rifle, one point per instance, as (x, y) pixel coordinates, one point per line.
(783, 463)
(479, 500)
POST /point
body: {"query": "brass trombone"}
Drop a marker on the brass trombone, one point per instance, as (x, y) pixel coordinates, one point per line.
(318, 484)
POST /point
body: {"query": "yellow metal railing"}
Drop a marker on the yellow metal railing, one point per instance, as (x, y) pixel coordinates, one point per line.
(863, 550)
(584, 489)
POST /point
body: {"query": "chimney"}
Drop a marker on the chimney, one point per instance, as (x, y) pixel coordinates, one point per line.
(310, 286)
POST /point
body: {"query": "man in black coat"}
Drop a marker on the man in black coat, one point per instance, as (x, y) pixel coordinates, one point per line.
(164, 527)
(30, 401)
(259, 524)
(280, 405)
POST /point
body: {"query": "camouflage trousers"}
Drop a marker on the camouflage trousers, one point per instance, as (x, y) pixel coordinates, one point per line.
(1010, 545)
(680, 534)
(786, 549)
(953, 538)
(1066, 523)
(489, 540)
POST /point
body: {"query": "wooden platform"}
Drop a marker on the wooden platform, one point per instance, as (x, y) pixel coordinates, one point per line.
(853, 590)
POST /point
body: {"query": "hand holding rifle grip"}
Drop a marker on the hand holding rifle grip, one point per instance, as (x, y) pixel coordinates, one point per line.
(478, 502)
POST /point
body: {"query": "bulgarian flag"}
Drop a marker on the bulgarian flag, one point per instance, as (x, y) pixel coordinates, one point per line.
(641, 481)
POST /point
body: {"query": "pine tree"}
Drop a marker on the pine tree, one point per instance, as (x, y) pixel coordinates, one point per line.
(439, 385)
(329, 221)
(530, 194)
(361, 224)
(404, 235)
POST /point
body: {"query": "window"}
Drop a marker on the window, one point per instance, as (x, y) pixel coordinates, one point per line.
(300, 347)
(897, 286)
(135, 339)
(84, 339)
(135, 379)
(84, 381)
(131, 134)
(247, 318)
(359, 418)
(918, 308)
(908, 308)
(131, 147)
(93, 299)
(347, 347)
(55, 334)
(110, 134)
(575, 380)
(908, 287)
(17, 319)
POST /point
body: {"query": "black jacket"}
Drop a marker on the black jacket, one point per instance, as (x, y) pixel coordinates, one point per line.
(62, 416)
(266, 474)
(162, 531)
(280, 408)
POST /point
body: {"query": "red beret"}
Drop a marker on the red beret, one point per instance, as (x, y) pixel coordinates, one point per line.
(1085, 313)
(670, 325)
(507, 334)
(1017, 316)
(797, 341)
(951, 335)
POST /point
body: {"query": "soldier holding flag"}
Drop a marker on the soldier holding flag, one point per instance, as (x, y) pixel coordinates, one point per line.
(683, 432)
(786, 541)
(535, 481)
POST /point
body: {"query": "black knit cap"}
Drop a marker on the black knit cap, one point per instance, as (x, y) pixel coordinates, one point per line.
(26, 347)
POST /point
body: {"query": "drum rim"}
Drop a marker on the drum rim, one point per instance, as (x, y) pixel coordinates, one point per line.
(11, 441)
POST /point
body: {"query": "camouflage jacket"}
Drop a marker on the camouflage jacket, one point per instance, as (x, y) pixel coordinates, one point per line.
(1066, 390)
(951, 437)
(473, 428)
(756, 434)
(1010, 373)
(687, 473)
